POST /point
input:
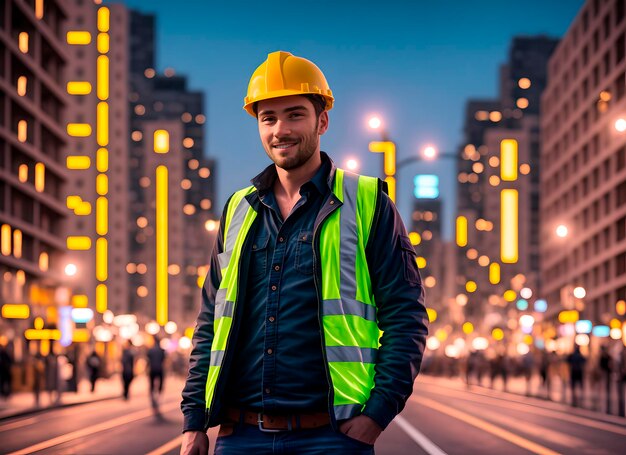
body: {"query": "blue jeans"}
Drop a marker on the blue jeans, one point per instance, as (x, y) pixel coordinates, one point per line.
(249, 440)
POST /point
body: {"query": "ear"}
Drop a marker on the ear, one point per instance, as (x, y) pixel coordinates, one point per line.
(322, 125)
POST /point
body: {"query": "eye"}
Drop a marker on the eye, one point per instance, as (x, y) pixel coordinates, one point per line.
(295, 115)
(267, 119)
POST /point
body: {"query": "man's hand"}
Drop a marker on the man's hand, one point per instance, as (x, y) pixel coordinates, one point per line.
(362, 428)
(195, 443)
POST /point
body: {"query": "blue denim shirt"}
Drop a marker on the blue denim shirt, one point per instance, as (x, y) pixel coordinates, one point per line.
(278, 365)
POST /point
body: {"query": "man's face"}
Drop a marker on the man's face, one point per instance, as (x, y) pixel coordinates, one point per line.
(290, 130)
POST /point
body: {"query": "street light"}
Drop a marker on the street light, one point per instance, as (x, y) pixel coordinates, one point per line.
(620, 125)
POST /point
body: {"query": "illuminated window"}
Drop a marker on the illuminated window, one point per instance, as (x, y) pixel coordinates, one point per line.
(186, 117)
(522, 103)
(193, 164)
(205, 204)
(149, 73)
(144, 182)
(142, 291)
(136, 136)
(44, 262)
(200, 119)
(21, 85)
(189, 209)
(22, 130)
(524, 83)
(188, 142)
(185, 184)
(142, 221)
(22, 173)
(495, 116)
(23, 42)
(204, 172)
(481, 116)
(140, 109)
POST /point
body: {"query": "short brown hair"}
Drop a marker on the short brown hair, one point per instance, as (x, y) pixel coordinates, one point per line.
(318, 101)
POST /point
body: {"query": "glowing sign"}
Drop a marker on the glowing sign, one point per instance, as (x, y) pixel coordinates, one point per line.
(426, 186)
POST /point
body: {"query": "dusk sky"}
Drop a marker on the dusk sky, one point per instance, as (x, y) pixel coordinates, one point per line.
(414, 63)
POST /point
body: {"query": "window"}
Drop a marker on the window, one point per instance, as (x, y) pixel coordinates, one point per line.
(620, 229)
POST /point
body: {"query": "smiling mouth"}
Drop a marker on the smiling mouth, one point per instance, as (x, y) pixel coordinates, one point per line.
(284, 146)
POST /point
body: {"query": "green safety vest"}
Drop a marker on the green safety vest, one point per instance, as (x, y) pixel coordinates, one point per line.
(350, 331)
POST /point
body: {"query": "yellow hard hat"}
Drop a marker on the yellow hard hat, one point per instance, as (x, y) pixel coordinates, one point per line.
(284, 74)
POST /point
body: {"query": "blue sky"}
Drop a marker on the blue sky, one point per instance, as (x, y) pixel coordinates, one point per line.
(415, 63)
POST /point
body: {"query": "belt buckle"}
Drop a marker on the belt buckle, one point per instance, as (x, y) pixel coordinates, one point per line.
(263, 429)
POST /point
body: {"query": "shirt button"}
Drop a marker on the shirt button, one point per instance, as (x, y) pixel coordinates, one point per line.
(270, 351)
(281, 239)
(332, 202)
(271, 319)
(274, 288)
(267, 390)
(254, 247)
(277, 267)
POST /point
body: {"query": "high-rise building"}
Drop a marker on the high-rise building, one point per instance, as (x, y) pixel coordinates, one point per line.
(165, 99)
(101, 184)
(583, 170)
(513, 115)
(32, 167)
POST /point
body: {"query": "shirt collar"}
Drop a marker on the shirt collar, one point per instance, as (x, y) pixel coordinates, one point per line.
(264, 181)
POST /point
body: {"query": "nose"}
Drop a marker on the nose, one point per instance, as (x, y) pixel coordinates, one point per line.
(282, 129)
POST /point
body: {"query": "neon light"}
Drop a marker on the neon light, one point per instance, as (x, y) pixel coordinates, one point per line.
(40, 177)
(101, 298)
(101, 259)
(102, 184)
(102, 121)
(102, 218)
(15, 311)
(102, 76)
(78, 37)
(103, 43)
(80, 301)
(65, 325)
(494, 273)
(509, 235)
(17, 243)
(22, 130)
(22, 41)
(161, 141)
(461, 231)
(79, 129)
(21, 85)
(82, 315)
(76, 243)
(103, 19)
(391, 187)
(508, 160)
(102, 160)
(161, 244)
(78, 162)
(78, 88)
(6, 239)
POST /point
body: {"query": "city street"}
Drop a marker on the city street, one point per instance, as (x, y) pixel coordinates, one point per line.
(441, 417)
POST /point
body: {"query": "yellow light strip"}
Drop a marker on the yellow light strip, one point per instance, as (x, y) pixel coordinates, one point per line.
(17, 243)
(461, 231)
(40, 177)
(102, 121)
(15, 311)
(6, 239)
(161, 141)
(102, 76)
(103, 43)
(78, 37)
(78, 88)
(101, 298)
(103, 19)
(43, 261)
(81, 335)
(22, 131)
(79, 129)
(102, 215)
(494, 273)
(508, 160)
(80, 301)
(22, 173)
(21, 85)
(39, 9)
(83, 209)
(22, 42)
(78, 162)
(509, 229)
(101, 259)
(161, 244)
(102, 184)
(77, 242)
(102, 160)
(42, 334)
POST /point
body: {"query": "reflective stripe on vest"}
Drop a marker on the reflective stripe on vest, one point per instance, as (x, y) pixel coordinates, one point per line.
(348, 308)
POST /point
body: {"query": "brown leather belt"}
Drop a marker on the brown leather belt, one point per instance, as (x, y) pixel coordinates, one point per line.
(279, 422)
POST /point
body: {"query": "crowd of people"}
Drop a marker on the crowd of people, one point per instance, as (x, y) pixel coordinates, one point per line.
(574, 377)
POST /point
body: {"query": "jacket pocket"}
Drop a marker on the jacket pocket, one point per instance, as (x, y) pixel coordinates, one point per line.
(258, 258)
(304, 253)
(411, 273)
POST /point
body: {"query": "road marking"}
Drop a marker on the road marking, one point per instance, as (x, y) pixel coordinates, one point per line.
(486, 426)
(176, 442)
(18, 424)
(531, 409)
(93, 429)
(430, 447)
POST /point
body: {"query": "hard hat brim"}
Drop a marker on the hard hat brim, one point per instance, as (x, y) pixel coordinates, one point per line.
(249, 103)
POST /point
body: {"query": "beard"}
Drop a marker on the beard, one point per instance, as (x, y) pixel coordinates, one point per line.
(305, 148)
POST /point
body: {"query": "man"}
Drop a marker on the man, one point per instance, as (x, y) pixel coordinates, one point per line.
(313, 324)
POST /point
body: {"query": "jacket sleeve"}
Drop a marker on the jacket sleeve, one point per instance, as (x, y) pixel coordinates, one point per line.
(193, 404)
(401, 313)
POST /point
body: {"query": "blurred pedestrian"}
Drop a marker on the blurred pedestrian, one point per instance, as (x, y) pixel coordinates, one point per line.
(39, 367)
(471, 366)
(6, 362)
(576, 362)
(93, 365)
(156, 359)
(606, 369)
(528, 367)
(547, 362)
(128, 368)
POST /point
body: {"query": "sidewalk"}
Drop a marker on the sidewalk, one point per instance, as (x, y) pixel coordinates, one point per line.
(24, 402)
